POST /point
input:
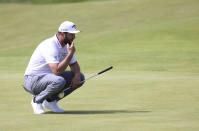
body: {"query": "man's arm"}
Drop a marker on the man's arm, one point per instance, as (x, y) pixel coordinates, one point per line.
(75, 68)
(59, 68)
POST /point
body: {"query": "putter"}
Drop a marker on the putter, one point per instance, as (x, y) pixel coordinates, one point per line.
(61, 95)
(96, 74)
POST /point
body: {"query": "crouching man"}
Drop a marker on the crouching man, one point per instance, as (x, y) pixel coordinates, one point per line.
(46, 77)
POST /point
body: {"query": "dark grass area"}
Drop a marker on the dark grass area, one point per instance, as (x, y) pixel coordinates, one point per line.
(44, 1)
(94, 112)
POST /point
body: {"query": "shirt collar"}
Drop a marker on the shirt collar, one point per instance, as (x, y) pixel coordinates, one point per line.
(57, 41)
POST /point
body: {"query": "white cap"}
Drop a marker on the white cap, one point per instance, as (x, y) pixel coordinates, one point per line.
(69, 27)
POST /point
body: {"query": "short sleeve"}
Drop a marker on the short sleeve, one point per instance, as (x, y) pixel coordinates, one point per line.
(73, 60)
(50, 55)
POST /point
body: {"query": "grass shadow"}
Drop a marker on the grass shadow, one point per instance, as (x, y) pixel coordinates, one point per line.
(94, 112)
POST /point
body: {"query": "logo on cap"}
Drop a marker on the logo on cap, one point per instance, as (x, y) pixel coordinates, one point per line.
(74, 26)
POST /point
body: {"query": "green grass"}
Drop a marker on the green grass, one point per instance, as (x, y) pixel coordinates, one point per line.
(42, 1)
(152, 44)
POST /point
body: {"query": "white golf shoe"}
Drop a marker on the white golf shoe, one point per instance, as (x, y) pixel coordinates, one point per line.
(37, 108)
(53, 106)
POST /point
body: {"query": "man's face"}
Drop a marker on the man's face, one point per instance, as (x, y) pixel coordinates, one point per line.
(68, 37)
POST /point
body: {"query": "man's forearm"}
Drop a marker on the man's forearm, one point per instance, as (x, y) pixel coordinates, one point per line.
(75, 68)
(61, 67)
(64, 64)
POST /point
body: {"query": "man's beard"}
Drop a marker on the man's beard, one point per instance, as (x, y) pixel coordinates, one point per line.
(67, 41)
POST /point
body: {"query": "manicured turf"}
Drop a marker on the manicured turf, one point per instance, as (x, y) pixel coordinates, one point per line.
(152, 45)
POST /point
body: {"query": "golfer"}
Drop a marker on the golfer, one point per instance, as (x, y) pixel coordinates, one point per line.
(46, 77)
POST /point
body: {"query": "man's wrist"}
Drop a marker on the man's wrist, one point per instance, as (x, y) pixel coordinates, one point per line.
(77, 75)
(70, 54)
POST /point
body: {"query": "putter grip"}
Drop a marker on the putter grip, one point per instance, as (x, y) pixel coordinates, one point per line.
(105, 70)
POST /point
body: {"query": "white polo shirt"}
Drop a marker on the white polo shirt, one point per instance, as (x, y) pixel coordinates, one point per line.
(48, 51)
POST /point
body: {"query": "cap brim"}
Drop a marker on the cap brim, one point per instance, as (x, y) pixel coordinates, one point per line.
(74, 32)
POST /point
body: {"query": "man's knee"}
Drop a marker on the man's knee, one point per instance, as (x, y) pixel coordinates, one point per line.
(59, 82)
(82, 78)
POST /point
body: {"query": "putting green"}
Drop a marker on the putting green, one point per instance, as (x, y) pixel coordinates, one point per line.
(152, 45)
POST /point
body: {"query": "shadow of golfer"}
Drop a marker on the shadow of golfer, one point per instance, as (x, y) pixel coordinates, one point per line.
(93, 112)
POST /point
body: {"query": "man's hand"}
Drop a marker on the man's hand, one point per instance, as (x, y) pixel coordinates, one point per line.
(71, 49)
(75, 81)
(59, 68)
